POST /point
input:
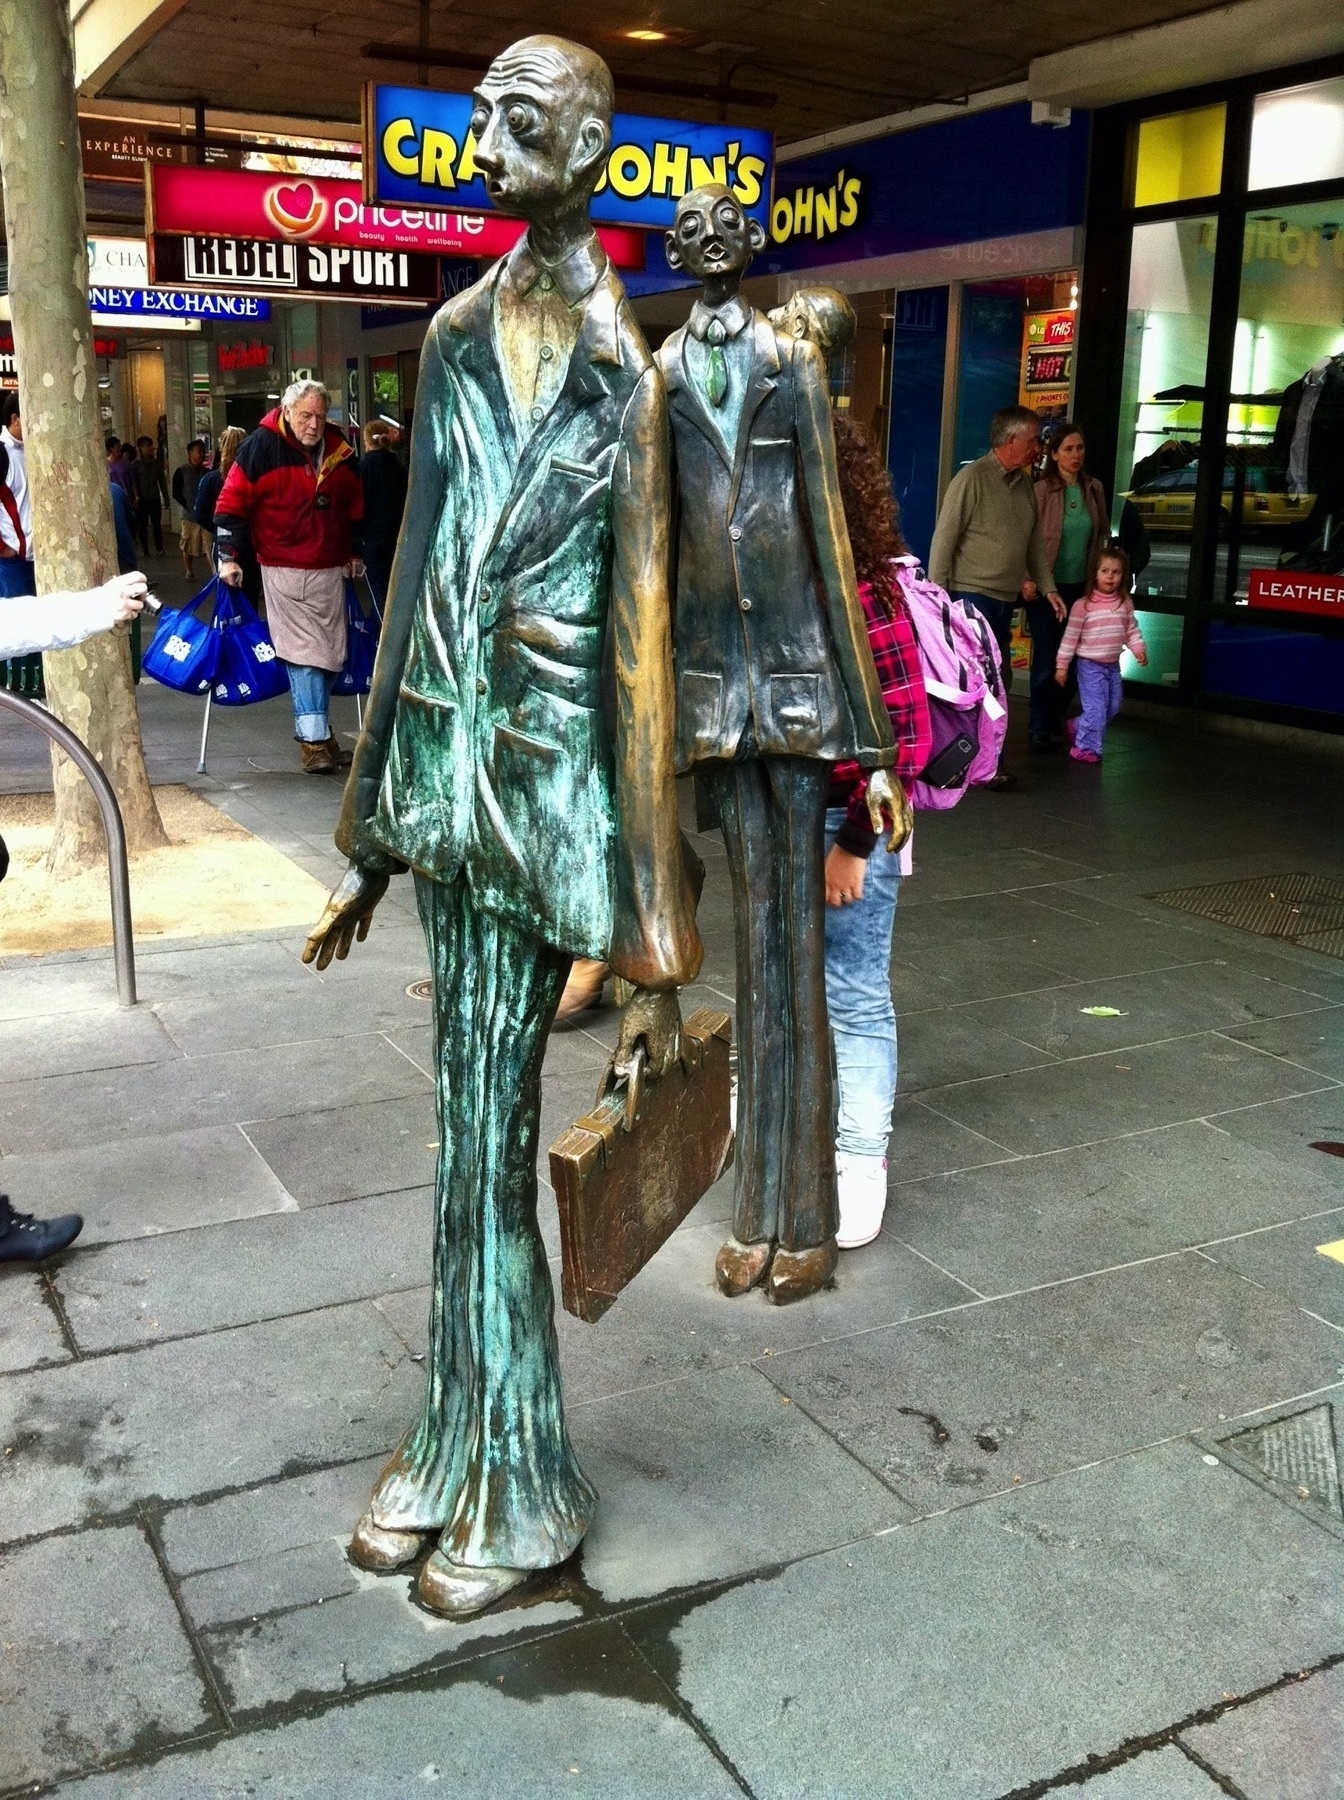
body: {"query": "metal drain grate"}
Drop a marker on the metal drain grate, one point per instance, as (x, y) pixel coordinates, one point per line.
(1304, 909)
(1297, 1453)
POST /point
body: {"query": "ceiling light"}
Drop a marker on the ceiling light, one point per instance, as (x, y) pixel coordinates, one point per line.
(647, 35)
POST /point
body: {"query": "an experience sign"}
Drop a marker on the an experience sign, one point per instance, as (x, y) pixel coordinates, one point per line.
(326, 271)
(418, 147)
(310, 209)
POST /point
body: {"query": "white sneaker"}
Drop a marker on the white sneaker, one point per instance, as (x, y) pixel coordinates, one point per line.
(862, 1185)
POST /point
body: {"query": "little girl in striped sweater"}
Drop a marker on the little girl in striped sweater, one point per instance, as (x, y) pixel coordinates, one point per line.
(1100, 626)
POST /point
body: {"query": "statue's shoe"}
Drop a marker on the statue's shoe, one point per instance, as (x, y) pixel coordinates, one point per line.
(460, 1592)
(376, 1548)
(740, 1267)
(794, 1274)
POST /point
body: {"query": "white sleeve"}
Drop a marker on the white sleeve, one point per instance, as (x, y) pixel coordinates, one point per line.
(53, 621)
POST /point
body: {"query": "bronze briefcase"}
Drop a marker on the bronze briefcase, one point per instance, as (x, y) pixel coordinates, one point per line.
(626, 1174)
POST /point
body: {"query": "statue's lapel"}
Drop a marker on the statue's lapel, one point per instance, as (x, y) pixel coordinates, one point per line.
(761, 383)
(685, 399)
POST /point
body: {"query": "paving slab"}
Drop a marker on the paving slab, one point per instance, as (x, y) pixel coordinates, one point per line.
(934, 1048)
(30, 1332)
(309, 1574)
(950, 972)
(1287, 1129)
(1289, 1745)
(1163, 1774)
(924, 1141)
(1012, 870)
(955, 1407)
(349, 1152)
(1102, 1096)
(200, 1415)
(587, 1719)
(74, 1042)
(1314, 1041)
(1288, 1259)
(302, 1011)
(1070, 1212)
(1166, 1003)
(245, 1085)
(963, 1657)
(93, 1658)
(138, 1293)
(267, 1520)
(712, 1477)
(142, 1186)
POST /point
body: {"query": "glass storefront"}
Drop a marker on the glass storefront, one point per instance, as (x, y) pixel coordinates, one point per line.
(1229, 407)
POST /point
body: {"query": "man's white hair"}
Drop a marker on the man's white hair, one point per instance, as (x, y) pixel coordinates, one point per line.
(296, 391)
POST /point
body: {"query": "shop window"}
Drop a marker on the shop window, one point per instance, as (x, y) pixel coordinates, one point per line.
(1179, 156)
(1162, 634)
(1162, 392)
(1297, 135)
(1283, 481)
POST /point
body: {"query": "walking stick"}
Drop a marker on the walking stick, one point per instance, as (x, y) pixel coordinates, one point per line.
(205, 732)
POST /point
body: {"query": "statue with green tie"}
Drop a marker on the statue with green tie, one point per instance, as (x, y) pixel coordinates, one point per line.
(537, 810)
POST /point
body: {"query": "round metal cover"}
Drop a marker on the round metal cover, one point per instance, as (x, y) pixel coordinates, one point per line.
(421, 990)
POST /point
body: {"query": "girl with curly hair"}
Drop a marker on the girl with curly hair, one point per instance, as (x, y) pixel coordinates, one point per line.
(861, 886)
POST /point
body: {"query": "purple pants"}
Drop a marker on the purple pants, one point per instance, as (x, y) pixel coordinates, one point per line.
(1099, 691)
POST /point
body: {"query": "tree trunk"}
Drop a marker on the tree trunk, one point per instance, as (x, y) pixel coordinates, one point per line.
(90, 688)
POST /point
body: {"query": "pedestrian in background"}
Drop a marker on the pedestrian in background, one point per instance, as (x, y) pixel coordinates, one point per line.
(192, 541)
(293, 497)
(1075, 526)
(16, 505)
(118, 470)
(384, 483)
(1101, 625)
(151, 494)
(862, 880)
(988, 532)
(123, 523)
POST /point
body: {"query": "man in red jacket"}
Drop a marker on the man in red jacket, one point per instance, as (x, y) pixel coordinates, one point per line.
(294, 494)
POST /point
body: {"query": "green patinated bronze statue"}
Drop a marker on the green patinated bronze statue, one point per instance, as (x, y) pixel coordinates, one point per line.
(775, 683)
(540, 823)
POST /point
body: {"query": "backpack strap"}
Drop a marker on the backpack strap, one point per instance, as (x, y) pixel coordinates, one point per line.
(10, 505)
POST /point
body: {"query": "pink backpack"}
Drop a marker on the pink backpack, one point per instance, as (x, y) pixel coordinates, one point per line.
(967, 700)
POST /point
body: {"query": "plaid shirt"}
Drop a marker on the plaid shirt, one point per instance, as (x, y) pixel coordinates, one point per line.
(896, 657)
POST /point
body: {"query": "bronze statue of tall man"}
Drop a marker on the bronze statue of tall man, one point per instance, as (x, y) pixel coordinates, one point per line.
(535, 535)
(775, 684)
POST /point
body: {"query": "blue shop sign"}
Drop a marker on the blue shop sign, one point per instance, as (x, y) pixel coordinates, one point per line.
(959, 181)
(172, 303)
(418, 148)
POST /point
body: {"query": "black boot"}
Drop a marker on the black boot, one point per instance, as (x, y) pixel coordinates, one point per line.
(26, 1239)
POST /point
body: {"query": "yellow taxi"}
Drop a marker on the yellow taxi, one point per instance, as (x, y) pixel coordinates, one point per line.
(1166, 503)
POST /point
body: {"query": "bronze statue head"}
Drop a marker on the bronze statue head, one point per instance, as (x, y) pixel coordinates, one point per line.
(542, 124)
(712, 237)
(822, 315)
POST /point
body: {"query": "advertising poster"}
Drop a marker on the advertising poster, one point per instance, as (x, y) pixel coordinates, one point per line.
(1047, 362)
(312, 209)
(418, 148)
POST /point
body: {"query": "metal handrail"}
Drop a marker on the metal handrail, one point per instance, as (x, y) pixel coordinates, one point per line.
(118, 873)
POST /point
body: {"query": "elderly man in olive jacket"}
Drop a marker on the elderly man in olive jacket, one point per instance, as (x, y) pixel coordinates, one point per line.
(775, 684)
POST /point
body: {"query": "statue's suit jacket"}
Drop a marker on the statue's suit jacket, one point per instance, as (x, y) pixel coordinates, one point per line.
(769, 629)
(486, 753)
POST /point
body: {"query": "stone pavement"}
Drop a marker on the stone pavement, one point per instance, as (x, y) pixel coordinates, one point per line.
(963, 1528)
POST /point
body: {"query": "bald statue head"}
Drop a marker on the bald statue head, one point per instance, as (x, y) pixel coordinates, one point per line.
(712, 237)
(822, 315)
(542, 124)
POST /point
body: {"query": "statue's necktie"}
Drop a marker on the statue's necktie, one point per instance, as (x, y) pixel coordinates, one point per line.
(716, 375)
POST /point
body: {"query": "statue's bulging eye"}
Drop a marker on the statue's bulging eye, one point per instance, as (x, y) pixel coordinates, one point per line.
(519, 118)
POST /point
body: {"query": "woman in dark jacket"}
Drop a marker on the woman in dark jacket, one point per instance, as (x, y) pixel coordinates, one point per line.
(1075, 524)
(384, 481)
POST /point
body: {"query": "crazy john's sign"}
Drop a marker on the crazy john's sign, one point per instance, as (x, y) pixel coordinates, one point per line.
(321, 271)
(1297, 590)
(308, 209)
(419, 147)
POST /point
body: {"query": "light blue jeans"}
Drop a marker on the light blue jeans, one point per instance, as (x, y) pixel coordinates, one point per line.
(310, 691)
(858, 998)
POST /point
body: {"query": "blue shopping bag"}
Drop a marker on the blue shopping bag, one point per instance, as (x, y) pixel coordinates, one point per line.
(361, 633)
(248, 669)
(185, 651)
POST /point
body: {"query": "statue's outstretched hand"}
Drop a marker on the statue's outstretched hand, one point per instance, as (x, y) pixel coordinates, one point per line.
(652, 1017)
(345, 917)
(885, 791)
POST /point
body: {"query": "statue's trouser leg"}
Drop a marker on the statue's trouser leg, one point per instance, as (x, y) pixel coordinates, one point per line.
(773, 811)
(490, 1460)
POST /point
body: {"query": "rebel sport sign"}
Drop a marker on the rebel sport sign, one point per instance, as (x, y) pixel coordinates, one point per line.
(320, 271)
